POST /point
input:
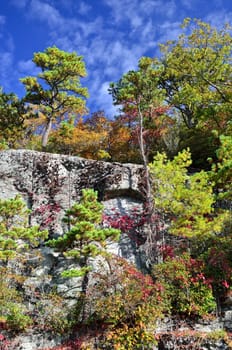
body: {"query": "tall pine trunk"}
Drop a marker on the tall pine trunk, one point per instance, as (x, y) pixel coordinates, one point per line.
(46, 132)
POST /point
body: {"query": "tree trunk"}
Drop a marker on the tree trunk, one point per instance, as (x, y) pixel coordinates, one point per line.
(151, 241)
(46, 132)
(82, 299)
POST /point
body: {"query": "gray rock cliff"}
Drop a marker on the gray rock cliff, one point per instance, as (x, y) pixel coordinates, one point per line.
(54, 182)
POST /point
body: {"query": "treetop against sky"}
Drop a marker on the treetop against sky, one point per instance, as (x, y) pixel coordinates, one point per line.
(111, 35)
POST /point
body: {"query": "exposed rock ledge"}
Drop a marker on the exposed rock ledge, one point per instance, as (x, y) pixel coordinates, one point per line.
(50, 183)
(45, 179)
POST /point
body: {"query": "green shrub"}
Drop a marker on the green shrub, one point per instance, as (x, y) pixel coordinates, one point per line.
(188, 289)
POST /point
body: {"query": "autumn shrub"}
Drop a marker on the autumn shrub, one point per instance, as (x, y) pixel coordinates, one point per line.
(3, 144)
(188, 290)
(218, 263)
(77, 344)
(13, 313)
(52, 314)
(128, 304)
(130, 223)
(16, 317)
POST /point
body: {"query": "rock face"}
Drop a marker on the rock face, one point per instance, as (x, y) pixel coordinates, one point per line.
(50, 183)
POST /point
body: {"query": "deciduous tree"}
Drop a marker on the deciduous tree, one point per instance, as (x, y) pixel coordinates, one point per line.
(222, 168)
(86, 139)
(196, 74)
(187, 199)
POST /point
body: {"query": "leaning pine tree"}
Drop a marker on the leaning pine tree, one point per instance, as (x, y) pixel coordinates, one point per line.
(56, 93)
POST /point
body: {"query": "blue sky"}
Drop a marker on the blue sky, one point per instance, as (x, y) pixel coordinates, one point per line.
(111, 35)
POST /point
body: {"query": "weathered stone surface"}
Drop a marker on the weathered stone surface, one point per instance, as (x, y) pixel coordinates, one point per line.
(37, 341)
(50, 183)
(228, 320)
(173, 342)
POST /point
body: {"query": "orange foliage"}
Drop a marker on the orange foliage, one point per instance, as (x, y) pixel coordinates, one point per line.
(96, 138)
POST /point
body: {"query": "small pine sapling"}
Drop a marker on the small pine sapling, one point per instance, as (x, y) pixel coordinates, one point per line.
(16, 235)
(86, 238)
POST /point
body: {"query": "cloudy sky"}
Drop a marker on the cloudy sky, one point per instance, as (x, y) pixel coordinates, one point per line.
(111, 35)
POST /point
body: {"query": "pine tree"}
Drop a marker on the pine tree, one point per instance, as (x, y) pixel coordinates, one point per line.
(56, 92)
(85, 239)
(17, 238)
(16, 235)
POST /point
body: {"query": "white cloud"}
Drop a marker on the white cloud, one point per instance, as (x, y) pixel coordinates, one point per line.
(118, 8)
(219, 18)
(150, 6)
(126, 11)
(28, 67)
(84, 8)
(169, 31)
(148, 32)
(88, 28)
(7, 43)
(107, 51)
(103, 100)
(136, 21)
(61, 25)
(66, 4)
(7, 73)
(97, 51)
(137, 12)
(169, 9)
(44, 12)
(112, 59)
(6, 59)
